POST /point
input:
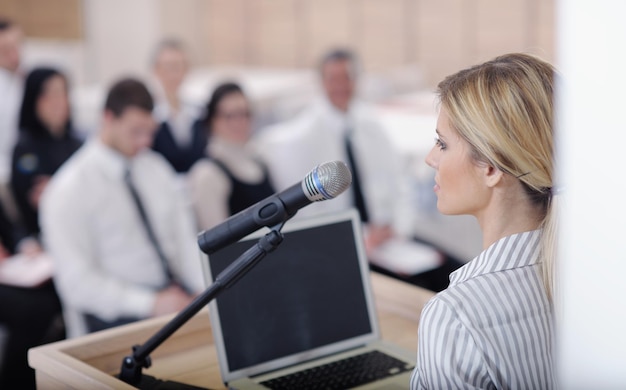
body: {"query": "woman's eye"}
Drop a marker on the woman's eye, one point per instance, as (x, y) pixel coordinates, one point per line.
(440, 144)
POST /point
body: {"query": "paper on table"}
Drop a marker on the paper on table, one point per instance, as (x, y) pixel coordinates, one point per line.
(26, 271)
(405, 257)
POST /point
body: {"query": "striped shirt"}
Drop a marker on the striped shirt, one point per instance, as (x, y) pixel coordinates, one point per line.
(493, 327)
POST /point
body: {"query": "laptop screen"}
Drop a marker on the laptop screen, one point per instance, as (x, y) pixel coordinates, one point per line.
(307, 298)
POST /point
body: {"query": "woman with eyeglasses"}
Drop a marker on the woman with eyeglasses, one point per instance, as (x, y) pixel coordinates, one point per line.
(231, 178)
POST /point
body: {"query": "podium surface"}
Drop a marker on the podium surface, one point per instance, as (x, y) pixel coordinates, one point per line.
(189, 356)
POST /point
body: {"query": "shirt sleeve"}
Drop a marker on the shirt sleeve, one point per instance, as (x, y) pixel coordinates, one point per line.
(447, 354)
(81, 282)
(186, 262)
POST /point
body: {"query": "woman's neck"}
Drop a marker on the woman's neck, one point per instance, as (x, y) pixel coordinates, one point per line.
(56, 131)
(508, 215)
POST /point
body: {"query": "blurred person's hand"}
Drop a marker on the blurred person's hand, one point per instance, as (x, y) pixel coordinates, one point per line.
(39, 185)
(29, 247)
(170, 300)
(376, 235)
(4, 253)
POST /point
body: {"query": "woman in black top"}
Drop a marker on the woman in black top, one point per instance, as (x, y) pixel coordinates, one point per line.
(232, 178)
(46, 140)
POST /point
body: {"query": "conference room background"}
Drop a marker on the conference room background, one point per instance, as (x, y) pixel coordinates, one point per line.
(408, 46)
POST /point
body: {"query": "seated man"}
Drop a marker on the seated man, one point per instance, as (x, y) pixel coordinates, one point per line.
(118, 228)
(321, 133)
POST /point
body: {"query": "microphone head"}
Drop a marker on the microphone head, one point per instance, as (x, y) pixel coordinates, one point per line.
(326, 181)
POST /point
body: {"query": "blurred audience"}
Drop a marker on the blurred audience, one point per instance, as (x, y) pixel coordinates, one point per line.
(232, 178)
(11, 82)
(45, 141)
(180, 139)
(117, 226)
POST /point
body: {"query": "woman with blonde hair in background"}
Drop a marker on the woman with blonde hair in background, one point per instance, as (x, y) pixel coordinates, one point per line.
(493, 326)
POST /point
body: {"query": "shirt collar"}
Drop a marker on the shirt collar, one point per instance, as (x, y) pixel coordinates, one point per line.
(114, 164)
(514, 251)
(10, 77)
(337, 119)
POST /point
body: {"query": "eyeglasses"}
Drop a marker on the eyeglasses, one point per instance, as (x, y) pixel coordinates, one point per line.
(242, 114)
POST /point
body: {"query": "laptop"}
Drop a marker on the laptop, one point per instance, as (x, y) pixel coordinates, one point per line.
(304, 313)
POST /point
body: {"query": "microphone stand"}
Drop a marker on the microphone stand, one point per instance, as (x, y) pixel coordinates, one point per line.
(133, 364)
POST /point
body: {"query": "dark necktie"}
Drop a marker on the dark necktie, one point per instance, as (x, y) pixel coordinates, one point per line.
(357, 191)
(146, 223)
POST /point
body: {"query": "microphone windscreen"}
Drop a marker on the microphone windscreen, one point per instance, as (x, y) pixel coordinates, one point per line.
(326, 181)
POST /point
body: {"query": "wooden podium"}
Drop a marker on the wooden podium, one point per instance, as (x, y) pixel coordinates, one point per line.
(189, 356)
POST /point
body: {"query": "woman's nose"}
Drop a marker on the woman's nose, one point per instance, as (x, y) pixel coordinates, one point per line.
(430, 158)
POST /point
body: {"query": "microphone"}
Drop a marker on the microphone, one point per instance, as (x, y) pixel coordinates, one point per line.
(325, 181)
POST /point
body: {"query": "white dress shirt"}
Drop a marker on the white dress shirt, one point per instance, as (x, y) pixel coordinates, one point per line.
(210, 187)
(493, 327)
(292, 149)
(104, 262)
(11, 86)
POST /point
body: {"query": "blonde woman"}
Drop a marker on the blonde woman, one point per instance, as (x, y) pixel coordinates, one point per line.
(492, 328)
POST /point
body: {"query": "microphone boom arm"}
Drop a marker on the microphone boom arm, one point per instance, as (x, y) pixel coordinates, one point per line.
(325, 181)
(133, 364)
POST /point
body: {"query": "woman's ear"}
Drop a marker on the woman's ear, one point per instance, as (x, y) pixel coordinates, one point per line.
(492, 175)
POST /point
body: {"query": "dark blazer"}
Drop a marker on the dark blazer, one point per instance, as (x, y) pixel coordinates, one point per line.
(8, 233)
(181, 158)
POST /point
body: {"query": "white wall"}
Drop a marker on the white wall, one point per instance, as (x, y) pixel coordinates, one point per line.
(68, 56)
(592, 328)
(120, 36)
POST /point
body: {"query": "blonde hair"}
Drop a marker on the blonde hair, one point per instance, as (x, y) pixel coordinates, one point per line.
(504, 109)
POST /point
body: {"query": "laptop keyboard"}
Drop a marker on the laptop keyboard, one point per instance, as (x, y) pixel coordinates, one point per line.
(343, 374)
